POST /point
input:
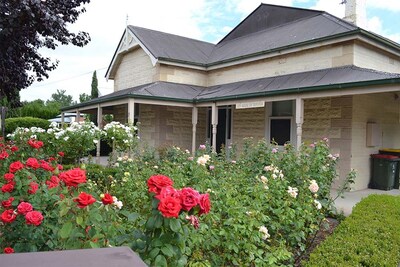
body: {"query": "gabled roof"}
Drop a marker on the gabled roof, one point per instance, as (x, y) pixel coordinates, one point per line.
(266, 17)
(165, 45)
(325, 79)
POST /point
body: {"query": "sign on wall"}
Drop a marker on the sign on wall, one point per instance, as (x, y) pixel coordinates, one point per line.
(255, 104)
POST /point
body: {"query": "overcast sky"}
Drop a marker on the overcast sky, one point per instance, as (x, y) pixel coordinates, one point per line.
(207, 20)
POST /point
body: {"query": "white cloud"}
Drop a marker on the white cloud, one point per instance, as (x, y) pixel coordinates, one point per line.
(331, 6)
(392, 5)
(374, 24)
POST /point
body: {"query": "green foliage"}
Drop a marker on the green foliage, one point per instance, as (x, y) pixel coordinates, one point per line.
(64, 224)
(368, 237)
(25, 122)
(40, 109)
(248, 192)
(61, 98)
(94, 93)
(84, 97)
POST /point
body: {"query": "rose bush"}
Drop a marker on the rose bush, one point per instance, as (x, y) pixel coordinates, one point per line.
(43, 208)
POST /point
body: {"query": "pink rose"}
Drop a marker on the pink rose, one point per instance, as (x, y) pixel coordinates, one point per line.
(24, 207)
(73, 177)
(84, 200)
(168, 191)
(16, 166)
(33, 187)
(32, 163)
(157, 182)
(169, 207)
(204, 203)
(189, 198)
(34, 218)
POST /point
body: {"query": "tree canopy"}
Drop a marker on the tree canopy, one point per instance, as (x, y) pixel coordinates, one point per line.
(26, 26)
(95, 90)
(61, 98)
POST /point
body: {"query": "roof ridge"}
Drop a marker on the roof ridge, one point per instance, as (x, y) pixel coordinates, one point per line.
(180, 36)
(340, 21)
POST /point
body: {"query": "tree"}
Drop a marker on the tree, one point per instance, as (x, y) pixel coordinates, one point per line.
(84, 97)
(26, 26)
(61, 98)
(95, 91)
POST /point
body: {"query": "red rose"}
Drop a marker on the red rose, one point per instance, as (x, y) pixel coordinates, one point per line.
(60, 167)
(107, 199)
(15, 166)
(73, 177)
(35, 144)
(7, 203)
(61, 154)
(33, 187)
(170, 207)
(9, 187)
(3, 155)
(46, 166)
(204, 203)
(189, 198)
(8, 250)
(32, 163)
(156, 182)
(34, 217)
(24, 208)
(53, 182)
(9, 176)
(168, 191)
(14, 148)
(84, 200)
(8, 216)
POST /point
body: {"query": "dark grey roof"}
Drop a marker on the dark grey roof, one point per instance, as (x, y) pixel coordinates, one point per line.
(297, 81)
(299, 31)
(266, 17)
(269, 27)
(165, 45)
(332, 78)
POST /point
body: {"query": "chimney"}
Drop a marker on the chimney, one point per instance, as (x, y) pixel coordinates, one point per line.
(356, 12)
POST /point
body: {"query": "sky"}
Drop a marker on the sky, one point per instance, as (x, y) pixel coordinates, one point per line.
(207, 20)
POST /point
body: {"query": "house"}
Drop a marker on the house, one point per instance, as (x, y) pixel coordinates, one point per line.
(284, 74)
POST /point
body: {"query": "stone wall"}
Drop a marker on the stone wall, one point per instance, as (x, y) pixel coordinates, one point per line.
(182, 75)
(331, 118)
(311, 59)
(134, 69)
(248, 123)
(384, 110)
(371, 58)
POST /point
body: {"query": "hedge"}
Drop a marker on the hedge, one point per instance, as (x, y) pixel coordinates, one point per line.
(370, 236)
(25, 122)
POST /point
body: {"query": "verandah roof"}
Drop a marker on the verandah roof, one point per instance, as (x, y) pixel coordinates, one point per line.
(317, 80)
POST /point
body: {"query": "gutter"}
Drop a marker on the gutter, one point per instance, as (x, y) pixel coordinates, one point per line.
(246, 96)
(303, 90)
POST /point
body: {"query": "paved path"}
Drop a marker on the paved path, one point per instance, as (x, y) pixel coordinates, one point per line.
(350, 199)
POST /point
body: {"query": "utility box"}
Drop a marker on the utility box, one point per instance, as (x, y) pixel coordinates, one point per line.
(374, 134)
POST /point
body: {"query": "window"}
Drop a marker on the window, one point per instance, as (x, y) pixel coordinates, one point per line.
(280, 122)
(280, 130)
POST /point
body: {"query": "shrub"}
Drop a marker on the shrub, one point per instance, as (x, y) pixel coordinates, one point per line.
(267, 203)
(25, 122)
(44, 208)
(370, 236)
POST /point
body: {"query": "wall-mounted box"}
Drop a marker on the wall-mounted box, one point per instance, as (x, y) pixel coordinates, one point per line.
(374, 134)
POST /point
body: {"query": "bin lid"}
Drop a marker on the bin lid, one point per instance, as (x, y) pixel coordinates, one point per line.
(395, 150)
(383, 156)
